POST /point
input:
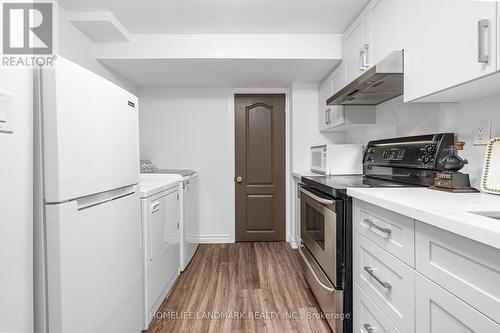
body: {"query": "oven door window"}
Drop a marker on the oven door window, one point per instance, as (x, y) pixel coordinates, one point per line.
(315, 225)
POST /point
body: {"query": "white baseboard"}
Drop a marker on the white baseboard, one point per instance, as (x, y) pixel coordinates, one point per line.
(293, 242)
(211, 239)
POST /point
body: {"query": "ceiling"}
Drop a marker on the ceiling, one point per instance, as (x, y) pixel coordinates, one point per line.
(219, 72)
(227, 16)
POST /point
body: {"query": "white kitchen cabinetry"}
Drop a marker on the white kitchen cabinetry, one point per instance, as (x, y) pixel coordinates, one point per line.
(468, 269)
(439, 311)
(450, 43)
(377, 31)
(369, 317)
(385, 26)
(353, 43)
(333, 83)
(343, 117)
(386, 280)
(393, 232)
(325, 111)
(338, 118)
(455, 286)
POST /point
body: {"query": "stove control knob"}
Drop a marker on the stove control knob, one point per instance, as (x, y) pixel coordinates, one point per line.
(430, 149)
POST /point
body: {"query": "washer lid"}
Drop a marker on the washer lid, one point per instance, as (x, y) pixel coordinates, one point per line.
(151, 184)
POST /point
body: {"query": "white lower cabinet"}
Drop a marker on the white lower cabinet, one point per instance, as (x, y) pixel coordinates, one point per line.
(438, 311)
(468, 269)
(454, 287)
(386, 280)
(393, 232)
(369, 318)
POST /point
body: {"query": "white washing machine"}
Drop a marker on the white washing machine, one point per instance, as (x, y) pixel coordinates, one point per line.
(161, 215)
(190, 219)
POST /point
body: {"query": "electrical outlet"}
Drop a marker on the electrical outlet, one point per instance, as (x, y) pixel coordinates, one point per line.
(482, 132)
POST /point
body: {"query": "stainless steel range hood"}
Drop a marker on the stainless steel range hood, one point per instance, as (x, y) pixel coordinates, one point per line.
(382, 82)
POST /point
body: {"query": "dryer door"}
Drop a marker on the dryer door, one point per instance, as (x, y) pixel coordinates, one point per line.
(164, 216)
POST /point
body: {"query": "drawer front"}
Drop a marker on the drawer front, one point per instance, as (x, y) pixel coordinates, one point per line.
(439, 311)
(367, 316)
(329, 299)
(393, 232)
(467, 269)
(386, 280)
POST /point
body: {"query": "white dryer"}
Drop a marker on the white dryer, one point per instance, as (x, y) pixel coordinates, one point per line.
(161, 215)
(190, 219)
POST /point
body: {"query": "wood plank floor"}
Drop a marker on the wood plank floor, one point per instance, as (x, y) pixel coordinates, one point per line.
(245, 287)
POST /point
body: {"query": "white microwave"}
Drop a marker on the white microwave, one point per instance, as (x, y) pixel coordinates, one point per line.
(333, 159)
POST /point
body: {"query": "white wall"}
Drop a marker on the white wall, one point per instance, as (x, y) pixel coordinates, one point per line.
(305, 125)
(16, 198)
(460, 119)
(193, 128)
(394, 118)
(77, 47)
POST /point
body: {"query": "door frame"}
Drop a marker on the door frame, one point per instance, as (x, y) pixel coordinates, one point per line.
(290, 231)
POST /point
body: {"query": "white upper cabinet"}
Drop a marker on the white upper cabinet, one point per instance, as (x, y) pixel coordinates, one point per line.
(324, 94)
(332, 84)
(451, 42)
(385, 23)
(337, 78)
(353, 44)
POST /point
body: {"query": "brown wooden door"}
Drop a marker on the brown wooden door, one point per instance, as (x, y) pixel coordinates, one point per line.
(260, 162)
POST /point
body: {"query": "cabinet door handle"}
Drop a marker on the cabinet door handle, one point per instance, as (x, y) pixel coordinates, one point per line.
(372, 224)
(369, 270)
(482, 43)
(327, 115)
(155, 207)
(362, 59)
(365, 56)
(369, 328)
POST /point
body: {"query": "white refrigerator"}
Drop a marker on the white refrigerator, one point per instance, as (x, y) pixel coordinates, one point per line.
(88, 266)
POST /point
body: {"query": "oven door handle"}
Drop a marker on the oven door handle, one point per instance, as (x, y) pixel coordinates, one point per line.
(317, 198)
(313, 272)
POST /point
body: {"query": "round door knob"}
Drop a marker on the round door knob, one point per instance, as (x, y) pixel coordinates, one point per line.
(239, 179)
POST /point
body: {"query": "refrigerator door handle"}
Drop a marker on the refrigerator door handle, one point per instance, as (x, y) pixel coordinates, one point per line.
(102, 198)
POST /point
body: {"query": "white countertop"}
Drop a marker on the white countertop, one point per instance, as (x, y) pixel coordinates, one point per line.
(152, 183)
(448, 211)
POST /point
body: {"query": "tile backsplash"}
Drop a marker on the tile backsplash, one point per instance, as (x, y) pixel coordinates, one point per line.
(395, 118)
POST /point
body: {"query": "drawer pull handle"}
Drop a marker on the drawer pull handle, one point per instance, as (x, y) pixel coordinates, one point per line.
(322, 285)
(384, 230)
(369, 270)
(369, 328)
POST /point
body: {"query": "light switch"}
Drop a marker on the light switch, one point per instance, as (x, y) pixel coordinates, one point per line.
(6, 112)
